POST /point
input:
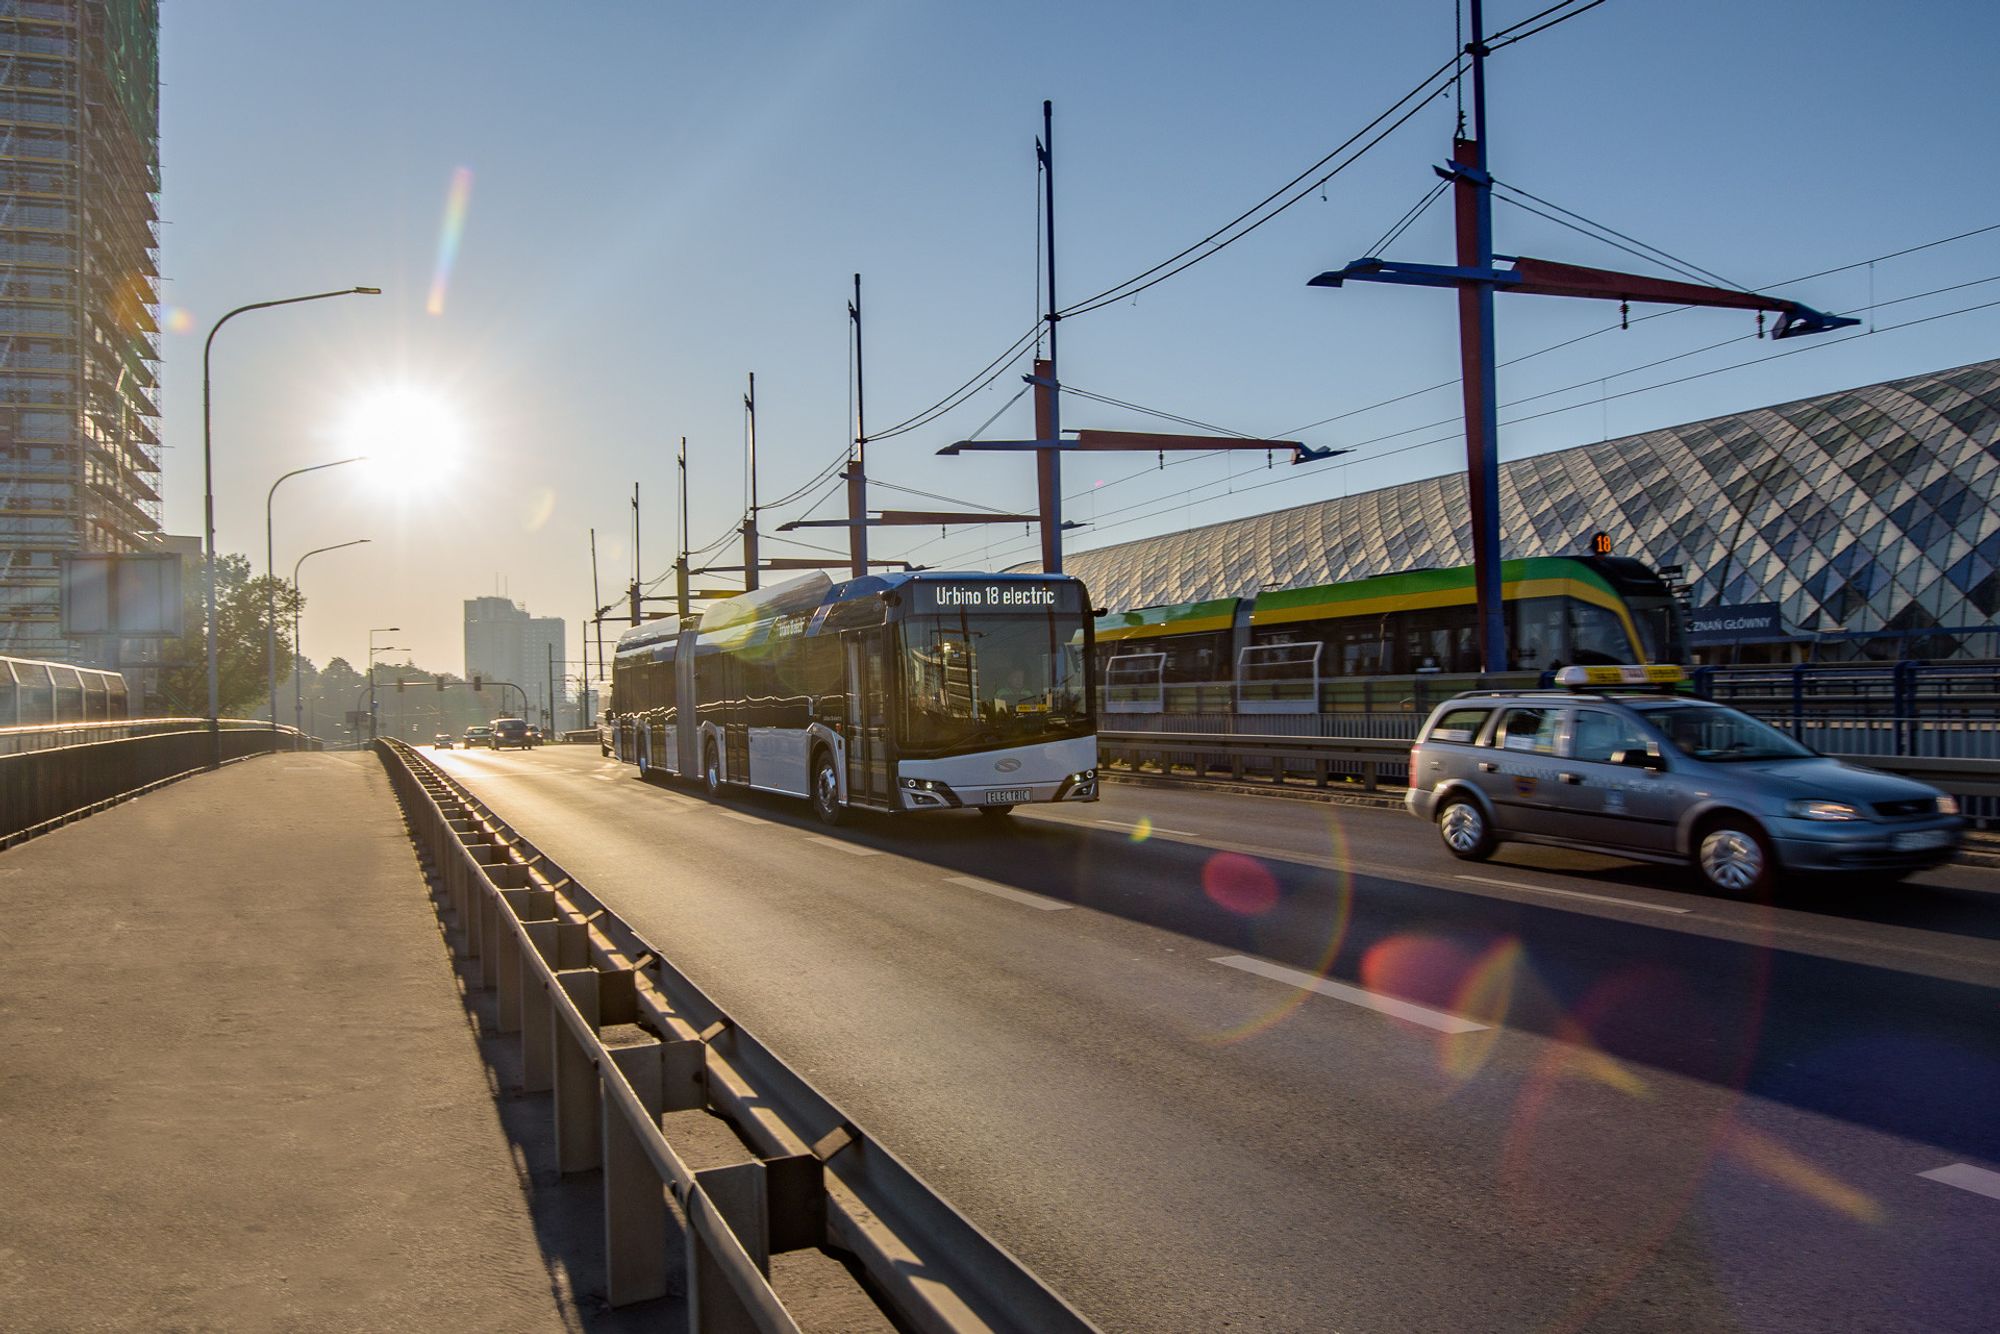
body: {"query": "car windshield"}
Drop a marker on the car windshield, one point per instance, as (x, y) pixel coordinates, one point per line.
(1006, 679)
(1709, 732)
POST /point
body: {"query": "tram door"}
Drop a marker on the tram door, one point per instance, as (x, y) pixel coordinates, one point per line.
(868, 716)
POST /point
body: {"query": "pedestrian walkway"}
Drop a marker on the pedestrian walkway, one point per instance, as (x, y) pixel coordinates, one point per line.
(238, 1086)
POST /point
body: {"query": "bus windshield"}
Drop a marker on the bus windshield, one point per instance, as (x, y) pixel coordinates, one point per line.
(976, 681)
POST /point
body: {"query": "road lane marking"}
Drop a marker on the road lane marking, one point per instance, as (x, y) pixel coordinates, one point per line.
(1572, 894)
(1151, 828)
(1007, 892)
(1967, 1177)
(855, 848)
(1367, 1000)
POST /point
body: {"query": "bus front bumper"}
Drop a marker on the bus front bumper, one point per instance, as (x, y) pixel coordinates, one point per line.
(1049, 771)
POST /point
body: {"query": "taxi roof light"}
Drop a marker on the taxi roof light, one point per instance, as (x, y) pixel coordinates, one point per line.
(1626, 674)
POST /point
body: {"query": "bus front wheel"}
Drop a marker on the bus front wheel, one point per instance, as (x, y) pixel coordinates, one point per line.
(826, 790)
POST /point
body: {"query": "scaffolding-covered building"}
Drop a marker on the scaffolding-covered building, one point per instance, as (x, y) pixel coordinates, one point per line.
(79, 292)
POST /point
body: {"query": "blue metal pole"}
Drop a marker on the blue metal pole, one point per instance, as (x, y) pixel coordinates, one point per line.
(1048, 424)
(1473, 196)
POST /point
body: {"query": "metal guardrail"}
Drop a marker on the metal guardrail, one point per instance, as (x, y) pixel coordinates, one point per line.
(1376, 760)
(564, 967)
(66, 771)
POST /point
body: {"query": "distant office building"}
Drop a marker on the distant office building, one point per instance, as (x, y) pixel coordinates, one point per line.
(1862, 523)
(79, 343)
(504, 643)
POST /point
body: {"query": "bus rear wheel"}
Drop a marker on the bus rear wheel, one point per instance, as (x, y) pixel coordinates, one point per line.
(711, 770)
(826, 790)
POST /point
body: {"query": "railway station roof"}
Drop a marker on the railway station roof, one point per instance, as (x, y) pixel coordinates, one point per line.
(1865, 510)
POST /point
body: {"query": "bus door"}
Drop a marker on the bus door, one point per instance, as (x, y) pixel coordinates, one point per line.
(739, 689)
(868, 776)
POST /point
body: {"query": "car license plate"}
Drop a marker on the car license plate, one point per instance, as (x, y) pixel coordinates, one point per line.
(1921, 840)
(1006, 796)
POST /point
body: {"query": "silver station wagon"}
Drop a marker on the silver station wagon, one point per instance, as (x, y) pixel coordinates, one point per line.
(1663, 777)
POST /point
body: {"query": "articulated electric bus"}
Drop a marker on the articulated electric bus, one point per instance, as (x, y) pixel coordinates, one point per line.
(896, 692)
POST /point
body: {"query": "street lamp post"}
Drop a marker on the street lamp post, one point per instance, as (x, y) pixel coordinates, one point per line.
(298, 675)
(373, 729)
(208, 500)
(270, 585)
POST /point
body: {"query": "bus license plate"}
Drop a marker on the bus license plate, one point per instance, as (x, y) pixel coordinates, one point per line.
(1006, 796)
(1921, 840)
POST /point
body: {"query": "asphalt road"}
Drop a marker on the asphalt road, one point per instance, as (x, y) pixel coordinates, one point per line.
(1207, 1061)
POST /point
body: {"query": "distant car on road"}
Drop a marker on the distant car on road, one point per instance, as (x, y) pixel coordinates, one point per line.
(442, 741)
(480, 735)
(512, 732)
(1664, 777)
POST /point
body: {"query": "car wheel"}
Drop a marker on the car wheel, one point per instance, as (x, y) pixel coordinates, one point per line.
(1733, 858)
(826, 790)
(711, 770)
(1466, 832)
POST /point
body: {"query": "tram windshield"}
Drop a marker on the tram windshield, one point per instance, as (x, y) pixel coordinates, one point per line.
(975, 680)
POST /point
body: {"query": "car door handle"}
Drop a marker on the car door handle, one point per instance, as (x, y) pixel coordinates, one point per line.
(1570, 778)
(1488, 767)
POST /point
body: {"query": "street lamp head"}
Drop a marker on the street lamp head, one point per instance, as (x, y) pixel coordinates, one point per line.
(367, 291)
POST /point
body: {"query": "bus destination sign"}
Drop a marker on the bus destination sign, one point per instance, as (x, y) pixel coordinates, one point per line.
(1002, 596)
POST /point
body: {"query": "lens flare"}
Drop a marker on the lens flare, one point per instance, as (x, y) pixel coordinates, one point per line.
(179, 320)
(543, 508)
(1241, 884)
(1484, 995)
(1767, 1156)
(1330, 902)
(1143, 830)
(456, 202)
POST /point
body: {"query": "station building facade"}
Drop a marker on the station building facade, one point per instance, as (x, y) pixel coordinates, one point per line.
(1856, 524)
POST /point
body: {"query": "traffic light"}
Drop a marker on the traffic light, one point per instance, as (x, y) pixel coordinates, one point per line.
(477, 684)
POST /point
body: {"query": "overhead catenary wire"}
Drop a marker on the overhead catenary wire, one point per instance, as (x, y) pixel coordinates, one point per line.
(1641, 319)
(1701, 274)
(1179, 499)
(1444, 77)
(1242, 225)
(1502, 38)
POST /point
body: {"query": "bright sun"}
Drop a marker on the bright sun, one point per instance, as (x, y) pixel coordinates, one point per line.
(410, 433)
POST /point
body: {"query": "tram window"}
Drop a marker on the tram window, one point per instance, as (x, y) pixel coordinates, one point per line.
(1596, 636)
(1538, 633)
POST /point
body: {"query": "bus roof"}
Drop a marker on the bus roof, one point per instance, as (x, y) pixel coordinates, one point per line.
(804, 595)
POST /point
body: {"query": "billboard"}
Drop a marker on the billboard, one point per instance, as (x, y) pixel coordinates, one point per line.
(127, 596)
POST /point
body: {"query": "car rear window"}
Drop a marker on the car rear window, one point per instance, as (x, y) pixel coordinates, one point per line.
(1532, 730)
(1460, 725)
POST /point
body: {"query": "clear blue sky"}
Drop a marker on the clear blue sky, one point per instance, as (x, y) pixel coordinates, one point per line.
(668, 195)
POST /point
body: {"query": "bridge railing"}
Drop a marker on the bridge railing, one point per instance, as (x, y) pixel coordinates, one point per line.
(52, 775)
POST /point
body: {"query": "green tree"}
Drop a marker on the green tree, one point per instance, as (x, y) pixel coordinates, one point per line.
(240, 644)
